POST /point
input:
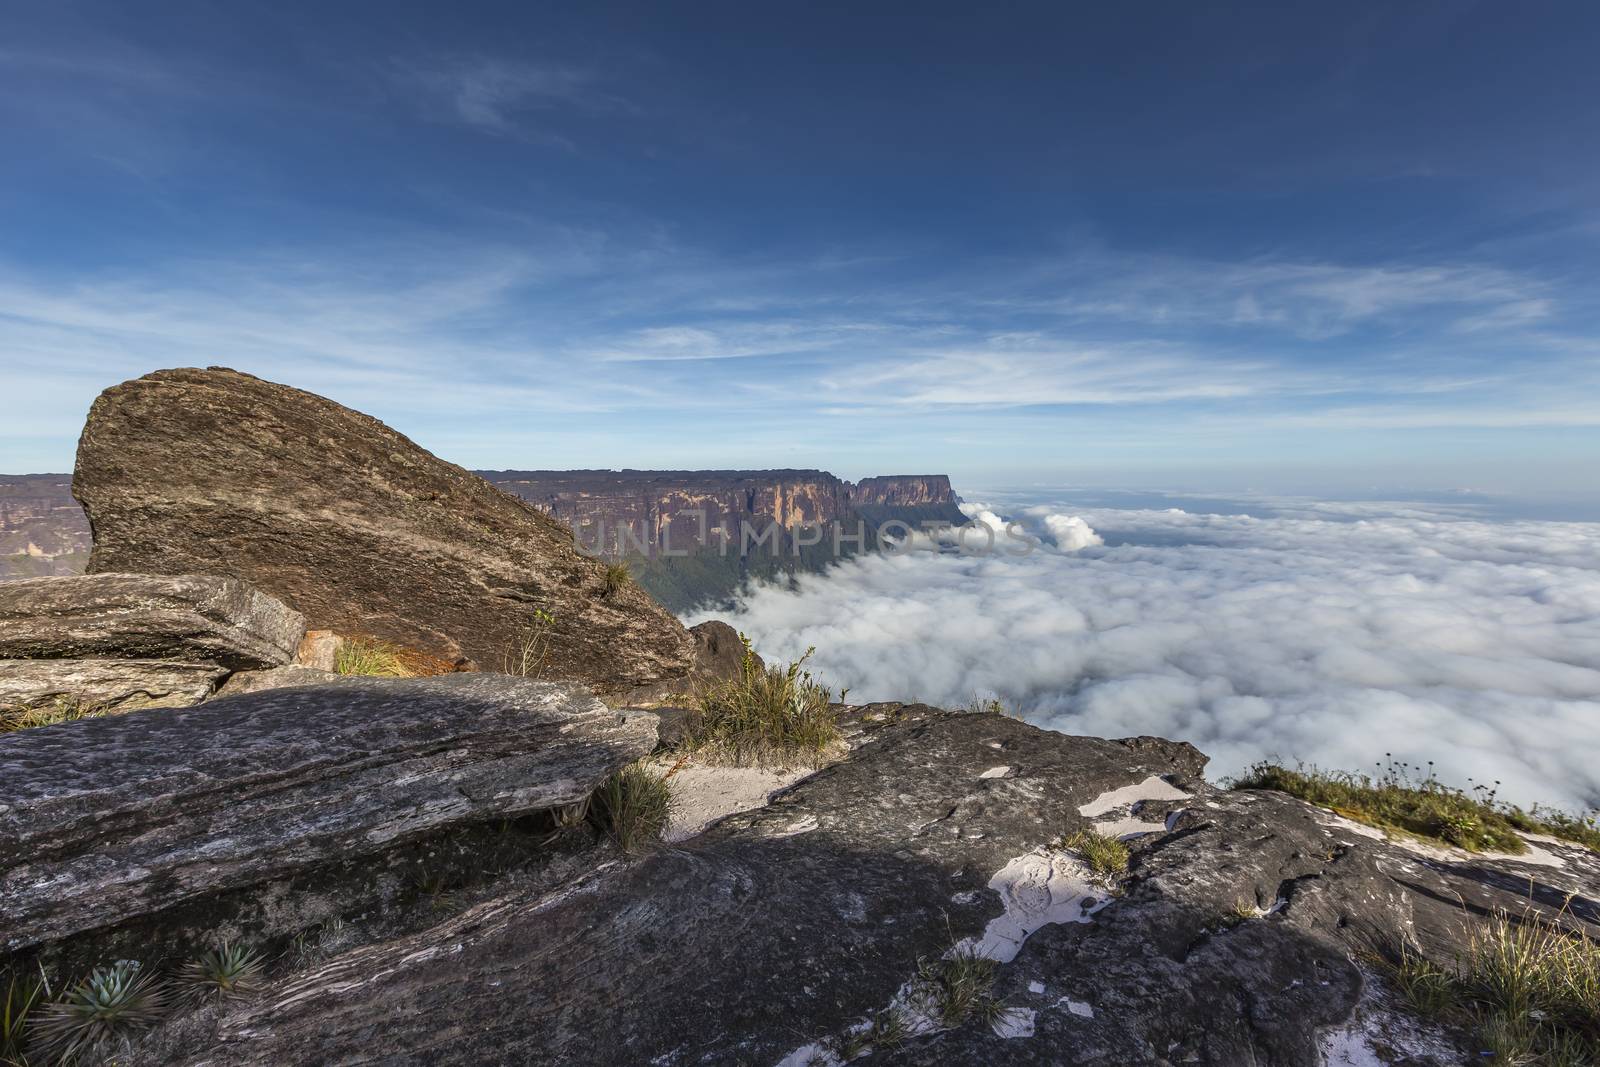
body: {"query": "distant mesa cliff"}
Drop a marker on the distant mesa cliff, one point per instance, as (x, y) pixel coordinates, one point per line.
(695, 537)
(686, 509)
(43, 531)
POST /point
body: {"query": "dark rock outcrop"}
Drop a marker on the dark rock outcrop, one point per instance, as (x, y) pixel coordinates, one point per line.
(719, 652)
(144, 616)
(216, 472)
(115, 684)
(1234, 938)
(112, 819)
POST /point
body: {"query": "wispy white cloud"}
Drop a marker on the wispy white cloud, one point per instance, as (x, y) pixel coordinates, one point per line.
(598, 323)
(507, 98)
(1309, 300)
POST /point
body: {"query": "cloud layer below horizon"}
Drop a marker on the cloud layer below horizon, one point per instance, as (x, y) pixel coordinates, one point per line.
(1326, 633)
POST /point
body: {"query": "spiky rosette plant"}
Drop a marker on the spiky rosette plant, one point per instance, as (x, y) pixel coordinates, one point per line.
(224, 973)
(108, 1007)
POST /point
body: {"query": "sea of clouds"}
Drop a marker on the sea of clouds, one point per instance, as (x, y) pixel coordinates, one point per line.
(1324, 632)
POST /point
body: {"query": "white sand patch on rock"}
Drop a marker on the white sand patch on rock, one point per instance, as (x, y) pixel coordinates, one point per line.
(1129, 827)
(702, 795)
(1036, 889)
(995, 772)
(1152, 788)
(1077, 1007)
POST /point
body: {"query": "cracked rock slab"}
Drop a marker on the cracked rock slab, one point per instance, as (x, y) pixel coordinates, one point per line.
(105, 820)
(117, 684)
(188, 617)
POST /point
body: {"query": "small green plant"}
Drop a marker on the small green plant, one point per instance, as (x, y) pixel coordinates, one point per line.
(615, 578)
(1105, 856)
(227, 972)
(1526, 985)
(105, 1009)
(633, 806)
(768, 714)
(61, 709)
(22, 996)
(1412, 800)
(372, 657)
(979, 705)
(527, 660)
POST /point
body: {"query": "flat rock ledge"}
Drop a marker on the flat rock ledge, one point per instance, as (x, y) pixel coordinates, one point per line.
(147, 616)
(111, 684)
(111, 819)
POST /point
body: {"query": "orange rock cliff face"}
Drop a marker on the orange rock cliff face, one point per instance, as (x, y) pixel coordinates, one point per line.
(694, 509)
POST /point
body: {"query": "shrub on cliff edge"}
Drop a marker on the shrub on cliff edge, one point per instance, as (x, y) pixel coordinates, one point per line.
(1425, 808)
(772, 714)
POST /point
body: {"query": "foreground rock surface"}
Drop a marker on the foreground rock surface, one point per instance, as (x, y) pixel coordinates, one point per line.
(1234, 938)
(104, 820)
(216, 472)
(114, 684)
(147, 616)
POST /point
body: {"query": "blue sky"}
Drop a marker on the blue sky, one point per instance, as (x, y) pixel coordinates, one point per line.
(1279, 246)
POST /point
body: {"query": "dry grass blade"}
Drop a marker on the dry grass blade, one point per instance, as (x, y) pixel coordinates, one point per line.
(61, 709)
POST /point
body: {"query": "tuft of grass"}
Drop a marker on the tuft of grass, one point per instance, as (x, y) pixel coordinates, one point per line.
(1242, 911)
(227, 972)
(958, 987)
(1527, 986)
(633, 806)
(106, 1009)
(1405, 799)
(527, 660)
(22, 996)
(615, 578)
(371, 657)
(61, 709)
(889, 1029)
(1427, 987)
(771, 714)
(1106, 857)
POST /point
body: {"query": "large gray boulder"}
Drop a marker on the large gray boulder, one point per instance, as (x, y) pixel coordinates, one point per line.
(105, 820)
(186, 617)
(216, 472)
(111, 684)
(1237, 935)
